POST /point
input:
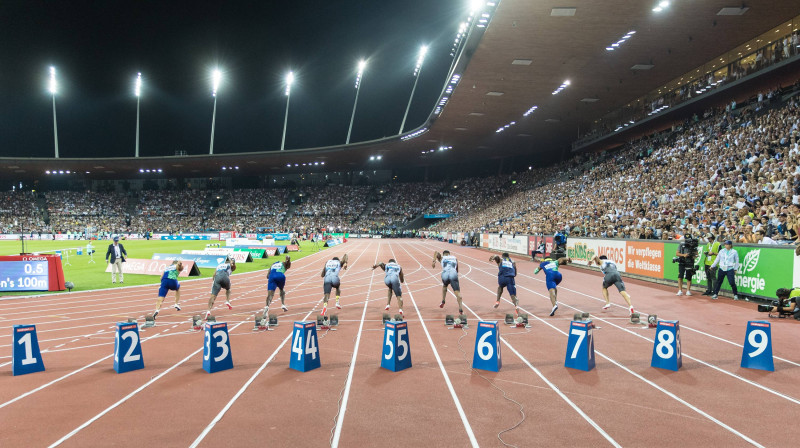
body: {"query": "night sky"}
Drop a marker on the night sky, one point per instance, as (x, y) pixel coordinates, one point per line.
(98, 47)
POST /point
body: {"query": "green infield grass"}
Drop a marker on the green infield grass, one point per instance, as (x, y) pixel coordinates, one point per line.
(88, 276)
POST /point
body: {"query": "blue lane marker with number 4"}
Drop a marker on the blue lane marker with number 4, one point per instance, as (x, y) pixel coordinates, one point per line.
(26, 356)
(216, 348)
(487, 347)
(396, 347)
(127, 348)
(667, 346)
(580, 346)
(305, 353)
(757, 350)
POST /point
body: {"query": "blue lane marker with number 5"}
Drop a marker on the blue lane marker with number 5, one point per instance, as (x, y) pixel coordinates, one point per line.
(305, 353)
(667, 346)
(757, 350)
(26, 356)
(216, 348)
(487, 347)
(396, 347)
(127, 348)
(580, 346)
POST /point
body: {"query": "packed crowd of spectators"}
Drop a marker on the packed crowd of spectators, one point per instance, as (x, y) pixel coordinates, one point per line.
(18, 212)
(399, 203)
(330, 206)
(246, 210)
(730, 174)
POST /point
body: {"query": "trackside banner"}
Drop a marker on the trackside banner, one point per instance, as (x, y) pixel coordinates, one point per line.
(202, 261)
(154, 267)
(506, 243)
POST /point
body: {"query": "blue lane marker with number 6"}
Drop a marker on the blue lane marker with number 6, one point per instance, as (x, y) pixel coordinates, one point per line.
(580, 346)
(127, 348)
(667, 346)
(216, 348)
(396, 347)
(26, 355)
(305, 353)
(757, 350)
(487, 347)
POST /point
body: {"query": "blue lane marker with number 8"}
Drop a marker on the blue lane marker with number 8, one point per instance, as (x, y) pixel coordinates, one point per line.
(396, 347)
(127, 348)
(487, 347)
(667, 346)
(305, 352)
(757, 350)
(216, 348)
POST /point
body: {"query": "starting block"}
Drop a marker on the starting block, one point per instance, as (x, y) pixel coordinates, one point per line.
(580, 316)
(197, 322)
(326, 322)
(456, 322)
(398, 317)
(652, 321)
(149, 321)
(635, 318)
(386, 318)
(521, 321)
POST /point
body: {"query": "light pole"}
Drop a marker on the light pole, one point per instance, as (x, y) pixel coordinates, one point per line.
(53, 88)
(137, 92)
(216, 76)
(361, 66)
(289, 81)
(417, 71)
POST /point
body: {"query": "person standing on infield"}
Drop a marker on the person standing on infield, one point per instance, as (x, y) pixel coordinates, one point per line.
(115, 255)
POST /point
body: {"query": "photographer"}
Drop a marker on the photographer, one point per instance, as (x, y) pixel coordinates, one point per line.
(559, 245)
(710, 255)
(787, 301)
(685, 257)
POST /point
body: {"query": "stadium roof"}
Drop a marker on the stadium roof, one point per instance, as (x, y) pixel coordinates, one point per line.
(527, 52)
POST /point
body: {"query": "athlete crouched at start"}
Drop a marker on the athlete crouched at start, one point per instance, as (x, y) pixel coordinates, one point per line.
(222, 280)
(449, 276)
(392, 280)
(276, 279)
(330, 275)
(505, 279)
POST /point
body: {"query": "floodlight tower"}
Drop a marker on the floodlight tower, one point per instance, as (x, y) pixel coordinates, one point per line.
(361, 66)
(417, 71)
(53, 87)
(216, 77)
(289, 81)
(137, 91)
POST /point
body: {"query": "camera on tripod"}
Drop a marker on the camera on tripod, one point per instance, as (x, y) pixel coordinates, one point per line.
(690, 244)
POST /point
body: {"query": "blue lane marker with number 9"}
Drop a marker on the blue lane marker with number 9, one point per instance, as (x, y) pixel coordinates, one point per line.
(667, 346)
(127, 348)
(580, 346)
(305, 353)
(216, 348)
(26, 356)
(396, 347)
(757, 350)
(487, 347)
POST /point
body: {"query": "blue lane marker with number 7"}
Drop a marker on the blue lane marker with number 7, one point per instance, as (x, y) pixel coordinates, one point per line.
(487, 347)
(216, 348)
(396, 347)
(757, 350)
(305, 353)
(580, 346)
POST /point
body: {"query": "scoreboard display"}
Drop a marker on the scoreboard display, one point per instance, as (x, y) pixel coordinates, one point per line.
(31, 275)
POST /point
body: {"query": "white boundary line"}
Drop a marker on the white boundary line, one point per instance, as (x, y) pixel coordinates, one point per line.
(659, 388)
(346, 395)
(247, 384)
(535, 370)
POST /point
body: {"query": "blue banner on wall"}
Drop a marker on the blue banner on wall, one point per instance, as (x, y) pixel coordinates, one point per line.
(201, 261)
(437, 215)
(273, 236)
(185, 237)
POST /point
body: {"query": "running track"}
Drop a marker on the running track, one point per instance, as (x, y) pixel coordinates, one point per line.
(80, 401)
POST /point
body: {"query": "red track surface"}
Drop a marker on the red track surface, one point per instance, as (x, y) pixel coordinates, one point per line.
(80, 401)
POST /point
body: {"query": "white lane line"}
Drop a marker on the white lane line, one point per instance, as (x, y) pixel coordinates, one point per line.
(346, 395)
(461, 413)
(656, 386)
(247, 384)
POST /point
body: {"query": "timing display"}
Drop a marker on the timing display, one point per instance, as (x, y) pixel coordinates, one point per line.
(24, 276)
